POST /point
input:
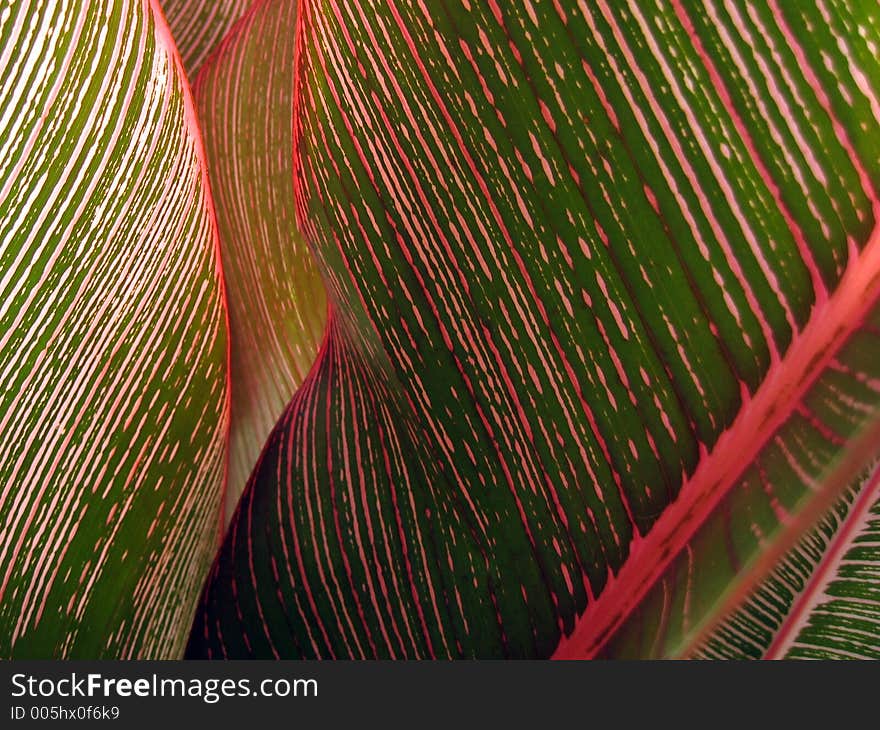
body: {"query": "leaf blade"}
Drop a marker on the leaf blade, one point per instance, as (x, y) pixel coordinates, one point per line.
(199, 27)
(106, 376)
(276, 301)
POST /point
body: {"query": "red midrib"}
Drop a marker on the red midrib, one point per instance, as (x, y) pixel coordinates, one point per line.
(782, 390)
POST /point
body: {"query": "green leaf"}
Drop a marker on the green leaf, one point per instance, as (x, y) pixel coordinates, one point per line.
(723, 566)
(276, 301)
(113, 396)
(838, 617)
(198, 26)
(821, 601)
(603, 337)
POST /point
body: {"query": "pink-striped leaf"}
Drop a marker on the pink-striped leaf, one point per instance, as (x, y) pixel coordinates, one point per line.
(113, 394)
(837, 615)
(198, 26)
(277, 306)
(603, 333)
(822, 601)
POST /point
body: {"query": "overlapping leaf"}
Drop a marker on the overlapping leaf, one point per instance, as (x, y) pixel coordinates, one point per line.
(821, 601)
(113, 398)
(198, 26)
(276, 301)
(840, 616)
(600, 277)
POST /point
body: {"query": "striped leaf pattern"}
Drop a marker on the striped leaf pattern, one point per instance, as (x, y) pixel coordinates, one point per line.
(839, 615)
(198, 26)
(113, 395)
(821, 601)
(732, 547)
(602, 281)
(276, 301)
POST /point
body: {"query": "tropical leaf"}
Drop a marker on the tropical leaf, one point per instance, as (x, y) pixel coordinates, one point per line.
(838, 616)
(821, 601)
(603, 335)
(724, 562)
(113, 397)
(276, 301)
(199, 25)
